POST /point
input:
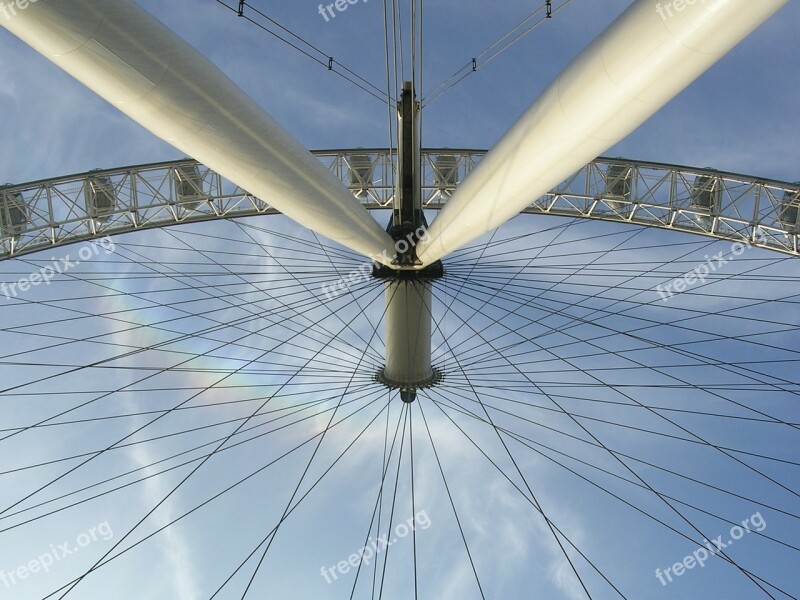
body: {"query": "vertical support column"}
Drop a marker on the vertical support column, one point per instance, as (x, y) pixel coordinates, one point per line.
(408, 293)
(407, 215)
(408, 333)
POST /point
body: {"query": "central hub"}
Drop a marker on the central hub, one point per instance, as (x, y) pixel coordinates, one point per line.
(408, 317)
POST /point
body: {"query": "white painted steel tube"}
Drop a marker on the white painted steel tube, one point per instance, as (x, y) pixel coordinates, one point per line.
(131, 59)
(408, 333)
(643, 60)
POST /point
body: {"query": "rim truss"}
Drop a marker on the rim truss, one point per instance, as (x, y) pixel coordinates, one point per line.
(55, 212)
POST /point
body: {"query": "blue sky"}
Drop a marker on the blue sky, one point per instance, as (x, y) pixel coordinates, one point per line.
(741, 116)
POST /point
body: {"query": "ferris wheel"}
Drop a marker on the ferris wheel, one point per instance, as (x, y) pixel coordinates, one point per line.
(400, 372)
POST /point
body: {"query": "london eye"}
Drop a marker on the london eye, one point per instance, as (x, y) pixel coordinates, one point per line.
(530, 370)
